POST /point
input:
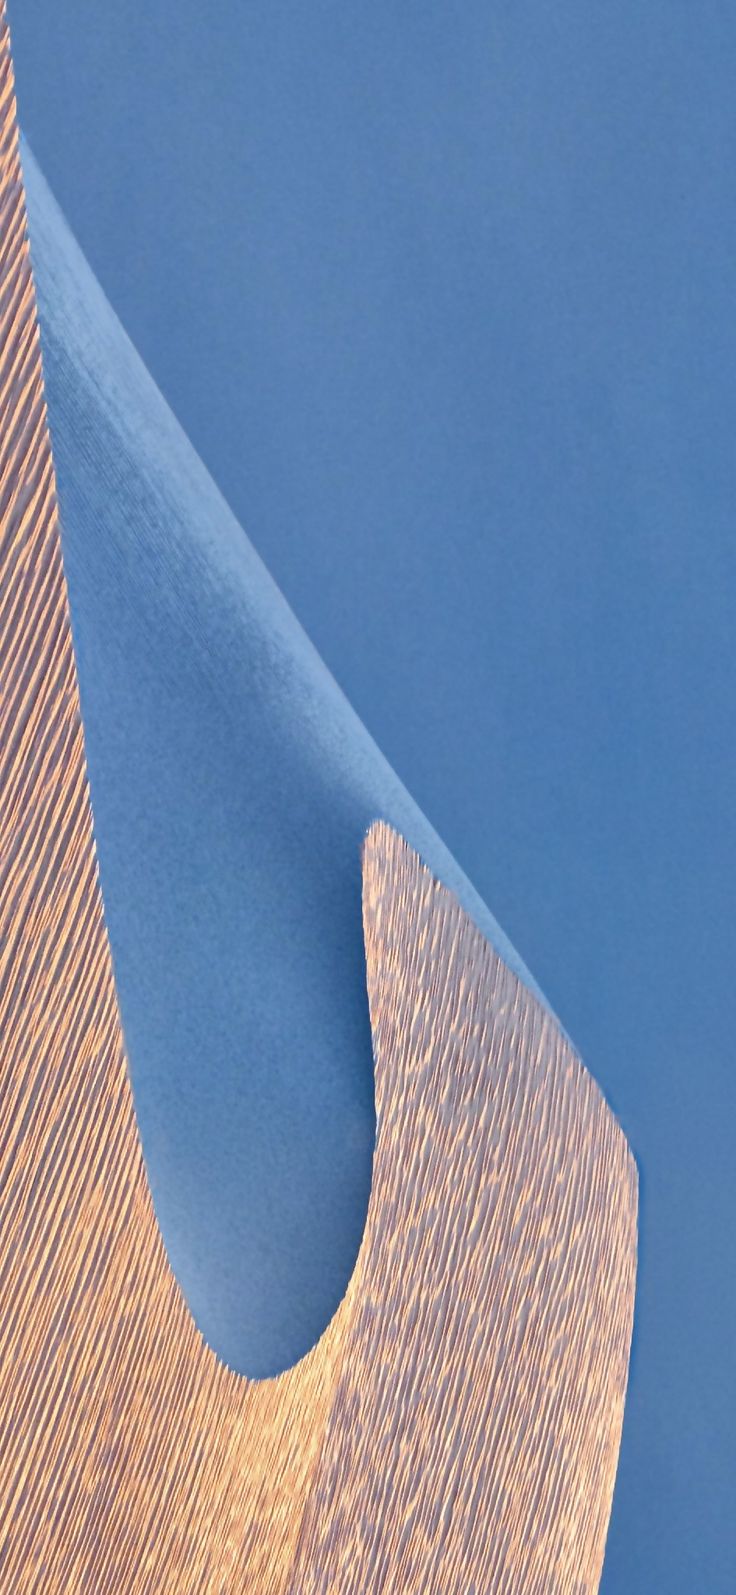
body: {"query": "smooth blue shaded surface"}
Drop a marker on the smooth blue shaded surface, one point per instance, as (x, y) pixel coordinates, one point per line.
(444, 298)
(232, 786)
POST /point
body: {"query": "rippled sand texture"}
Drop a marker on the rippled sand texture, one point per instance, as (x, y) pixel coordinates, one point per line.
(456, 1428)
(473, 1438)
(130, 1459)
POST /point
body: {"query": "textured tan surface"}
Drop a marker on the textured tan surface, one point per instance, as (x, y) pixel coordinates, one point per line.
(474, 1432)
(130, 1460)
(456, 1428)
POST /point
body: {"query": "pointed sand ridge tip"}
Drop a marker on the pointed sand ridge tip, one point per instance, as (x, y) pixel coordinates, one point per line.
(383, 848)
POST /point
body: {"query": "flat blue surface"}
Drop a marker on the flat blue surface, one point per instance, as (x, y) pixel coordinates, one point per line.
(444, 298)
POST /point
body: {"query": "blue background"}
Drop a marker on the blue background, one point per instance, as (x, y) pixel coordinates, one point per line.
(443, 297)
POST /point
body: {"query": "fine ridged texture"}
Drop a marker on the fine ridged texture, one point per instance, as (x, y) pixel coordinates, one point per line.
(473, 1438)
(456, 1428)
(130, 1459)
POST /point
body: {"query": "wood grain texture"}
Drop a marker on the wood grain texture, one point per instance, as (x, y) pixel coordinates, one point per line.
(456, 1428)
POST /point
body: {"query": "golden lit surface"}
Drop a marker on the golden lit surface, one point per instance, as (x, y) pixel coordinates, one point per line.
(130, 1459)
(474, 1431)
(456, 1428)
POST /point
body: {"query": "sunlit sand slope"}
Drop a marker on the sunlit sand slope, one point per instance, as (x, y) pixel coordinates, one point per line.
(130, 1459)
(473, 1437)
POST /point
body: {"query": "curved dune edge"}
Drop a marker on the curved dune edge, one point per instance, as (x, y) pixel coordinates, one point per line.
(458, 1423)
